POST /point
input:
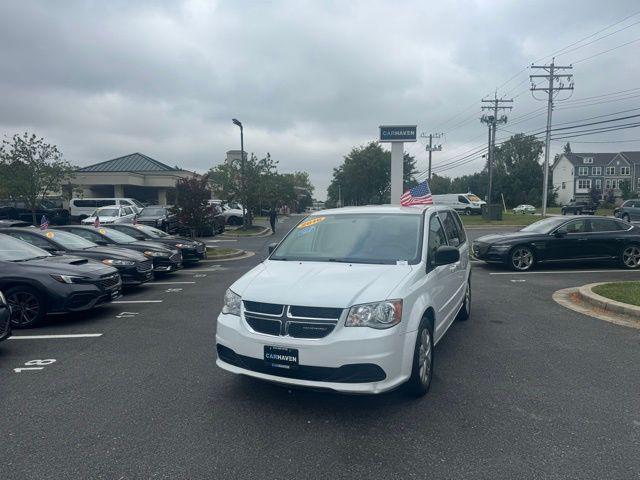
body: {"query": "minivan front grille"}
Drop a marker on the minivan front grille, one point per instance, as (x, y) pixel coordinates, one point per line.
(293, 321)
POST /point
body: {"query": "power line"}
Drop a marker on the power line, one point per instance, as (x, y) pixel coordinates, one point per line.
(606, 51)
(600, 38)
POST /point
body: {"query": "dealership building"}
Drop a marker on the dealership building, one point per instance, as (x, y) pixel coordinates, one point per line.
(131, 176)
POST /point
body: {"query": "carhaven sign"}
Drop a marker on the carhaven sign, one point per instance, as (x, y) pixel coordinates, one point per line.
(398, 133)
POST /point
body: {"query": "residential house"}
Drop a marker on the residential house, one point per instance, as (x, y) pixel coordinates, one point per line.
(575, 174)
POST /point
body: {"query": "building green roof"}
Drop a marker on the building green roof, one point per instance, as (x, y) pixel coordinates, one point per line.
(135, 162)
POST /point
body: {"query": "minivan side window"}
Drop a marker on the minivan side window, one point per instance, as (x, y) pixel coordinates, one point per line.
(450, 228)
(105, 203)
(437, 238)
(462, 199)
(125, 202)
(84, 203)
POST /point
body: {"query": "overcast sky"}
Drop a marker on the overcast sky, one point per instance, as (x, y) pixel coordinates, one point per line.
(309, 79)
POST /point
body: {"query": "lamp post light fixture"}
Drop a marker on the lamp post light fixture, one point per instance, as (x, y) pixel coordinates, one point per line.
(242, 185)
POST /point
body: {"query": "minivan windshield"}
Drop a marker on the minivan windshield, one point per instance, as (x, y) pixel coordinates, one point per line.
(377, 238)
(14, 250)
(544, 226)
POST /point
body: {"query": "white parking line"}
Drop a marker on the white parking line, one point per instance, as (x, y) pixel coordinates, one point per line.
(46, 337)
(138, 301)
(171, 283)
(563, 272)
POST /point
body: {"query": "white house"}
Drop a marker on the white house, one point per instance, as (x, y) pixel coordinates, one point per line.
(575, 174)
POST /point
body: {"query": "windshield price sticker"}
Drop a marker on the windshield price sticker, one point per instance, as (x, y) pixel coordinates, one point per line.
(312, 221)
(102, 231)
(49, 234)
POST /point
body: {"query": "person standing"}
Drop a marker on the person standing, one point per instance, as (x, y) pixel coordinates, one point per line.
(273, 217)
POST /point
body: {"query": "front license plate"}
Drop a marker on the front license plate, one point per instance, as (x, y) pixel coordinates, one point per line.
(280, 356)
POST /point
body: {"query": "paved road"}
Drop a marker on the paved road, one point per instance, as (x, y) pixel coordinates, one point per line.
(525, 389)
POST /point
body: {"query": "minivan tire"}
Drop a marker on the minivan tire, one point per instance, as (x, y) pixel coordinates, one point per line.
(422, 364)
(465, 310)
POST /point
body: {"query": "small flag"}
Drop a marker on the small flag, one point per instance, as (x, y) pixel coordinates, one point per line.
(96, 222)
(44, 222)
(418, 195)
(135, 219)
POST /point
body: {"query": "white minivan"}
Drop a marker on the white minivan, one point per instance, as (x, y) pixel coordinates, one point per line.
(352, 299)
(81, 208)
(466, 203)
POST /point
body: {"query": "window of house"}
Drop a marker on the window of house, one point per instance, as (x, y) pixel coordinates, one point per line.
(607, 183)
(564, 184)
(638, 182)
(598, 184)
(611, 170)
(625, 171)
(596, 170)
(583, 171)
(584, 183)
(587, 160)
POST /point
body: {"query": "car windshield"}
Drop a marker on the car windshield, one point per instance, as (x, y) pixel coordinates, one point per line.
(355, 238)
(544, 226)
(116, 236)
(106, 212)
(473, 198)
(14, 250)
(151, 231)
(68, 240)
(152, 212)
(137, 203)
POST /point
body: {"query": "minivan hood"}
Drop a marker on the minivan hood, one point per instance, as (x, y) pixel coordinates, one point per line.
(319, 284)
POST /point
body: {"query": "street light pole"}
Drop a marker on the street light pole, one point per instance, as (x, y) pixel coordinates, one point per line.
(242, 185)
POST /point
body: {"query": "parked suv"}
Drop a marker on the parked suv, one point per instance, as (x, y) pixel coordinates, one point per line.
(629, 211)
(579, 208)
(352, 299)
(159, 216)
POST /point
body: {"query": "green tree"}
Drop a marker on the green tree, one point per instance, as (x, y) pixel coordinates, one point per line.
(365, 177)
(518, 173)
(30, 169)
(191, 202)
(626, 191)
(439, 185)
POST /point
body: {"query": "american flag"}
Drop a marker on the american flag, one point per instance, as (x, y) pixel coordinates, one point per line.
(96, 222)
(44, 222)
(418, 195)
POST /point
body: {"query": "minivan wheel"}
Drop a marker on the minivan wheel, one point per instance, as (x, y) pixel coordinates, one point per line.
(422, 370)
(521, 259)
(465, 311)
(27, 306)
(631, 256)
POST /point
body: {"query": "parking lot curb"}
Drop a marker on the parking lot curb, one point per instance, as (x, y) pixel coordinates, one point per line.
(572, 299)
(237, 254)
(245, 254)
(587, 294)
(265, 232)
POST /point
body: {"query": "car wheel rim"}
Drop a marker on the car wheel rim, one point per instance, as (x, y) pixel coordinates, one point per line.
(631, 257)
(424, 356)
(522, 259)
(25, 308)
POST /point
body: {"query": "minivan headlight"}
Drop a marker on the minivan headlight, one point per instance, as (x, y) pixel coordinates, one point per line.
(378, 315)
(231, 303)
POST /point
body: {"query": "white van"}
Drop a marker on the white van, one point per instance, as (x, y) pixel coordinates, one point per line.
(466, 203)
(81, 208)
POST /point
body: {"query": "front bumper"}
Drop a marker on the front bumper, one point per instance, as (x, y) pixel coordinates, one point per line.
(136, 274)
(193, 254)
(167, 264)
(349, 359)
(488, 254)
(77, 297)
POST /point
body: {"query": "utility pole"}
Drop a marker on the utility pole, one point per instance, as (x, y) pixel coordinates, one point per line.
(492, 120)
(556, 84)
(431, 147)
(242, 173)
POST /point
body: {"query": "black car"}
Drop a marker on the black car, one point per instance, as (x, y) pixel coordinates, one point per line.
(164, 259)
(134, 267)
(629, 211)
(579, 208)
(37, 283)
(10, 210)
(5, 318)
(557, 239)
(14, 223)
(159, 216)
(191, 250)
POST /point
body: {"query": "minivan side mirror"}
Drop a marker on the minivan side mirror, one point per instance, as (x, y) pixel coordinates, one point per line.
(446, 255)
(272, 247)
(560, 232)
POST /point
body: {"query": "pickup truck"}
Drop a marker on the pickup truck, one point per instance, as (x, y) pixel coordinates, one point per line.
(579, 208)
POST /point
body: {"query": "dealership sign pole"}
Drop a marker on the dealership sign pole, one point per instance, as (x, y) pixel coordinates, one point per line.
(397, 135)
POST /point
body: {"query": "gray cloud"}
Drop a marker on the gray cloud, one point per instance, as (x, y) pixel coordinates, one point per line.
(309, 79)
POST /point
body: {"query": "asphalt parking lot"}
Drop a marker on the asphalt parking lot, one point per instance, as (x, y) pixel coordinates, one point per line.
(525, 389)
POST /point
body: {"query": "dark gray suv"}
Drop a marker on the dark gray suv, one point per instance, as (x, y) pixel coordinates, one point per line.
(629, 211)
